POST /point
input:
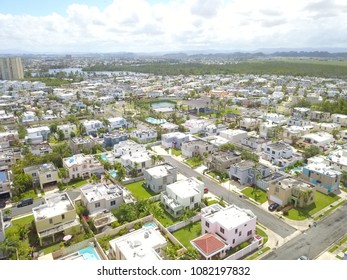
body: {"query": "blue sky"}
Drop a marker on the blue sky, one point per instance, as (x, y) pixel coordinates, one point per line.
(67, 26)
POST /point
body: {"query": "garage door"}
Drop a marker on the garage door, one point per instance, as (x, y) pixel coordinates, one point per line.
(275, 199)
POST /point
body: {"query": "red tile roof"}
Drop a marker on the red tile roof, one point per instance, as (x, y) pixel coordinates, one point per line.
(209, 243)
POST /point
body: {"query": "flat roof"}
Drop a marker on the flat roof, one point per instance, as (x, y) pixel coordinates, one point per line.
(140, 244)
(101, 191)
(55, 204)
(186, 188)
(160, 170)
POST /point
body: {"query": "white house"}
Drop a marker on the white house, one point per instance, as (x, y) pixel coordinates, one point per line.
(182, 195)
(249, 123)
(327, 127)
(319, 139)
(275, 118)
(257, 144)
(101, 197)
(278, 153)
(174, 140)
(92, 126)
(116, 123)
(266, 129)
(139, 160)
(234, 135)
(37, 135)
(196, 147)
(139, 245)
(196, 125)
(158, 177)
(233, 224)
(67, 129)
(128, 147)
(144, 136)
(340, 119)
(29, 117)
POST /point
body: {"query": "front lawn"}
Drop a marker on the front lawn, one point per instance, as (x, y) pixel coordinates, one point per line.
(262, 233)
(139, 191)
(320, 202)
(188, 233)
(76, 185)
(23, 221)
(258, 195)
(194, 162)
(176, 152)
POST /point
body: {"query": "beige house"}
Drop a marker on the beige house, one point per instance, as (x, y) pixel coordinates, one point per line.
(291, 191)
(45, 175)
(221, 161)
(55, 218)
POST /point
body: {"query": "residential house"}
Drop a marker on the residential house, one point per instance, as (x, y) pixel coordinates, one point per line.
(5, 182)
(249, 123)
(144, 136)
(343, 134)
(92, 126)
(174, 140)
(327, 127)
(196, 125)
(242, 172)
(339, 119)
(79, 144)
(275, 118)
(256, 144)
(233, 135)
(44, 175)
(139, 245)
(296, 121)
(319, 116)
(291, 191)
(214, 129)
(319, 139)
(232, 225)
(169, 127)
(280, 154)
(101, 197)
(292, 134)
(140, 161)
(216, 140)
(196, 147)
(82, 166)
(127, 147)
(7, 119)
(182, 195)
(267, 129)
(273, 176)
(37, 135)
(221, 161)
(68, 129)
(336, 159)
(158, 177)
(301, 112)
(117, 123)
(10, 156)
(322, 176)
(55, 218)
(8, 139)
(29, 117)
(41, 149)
(111, 139)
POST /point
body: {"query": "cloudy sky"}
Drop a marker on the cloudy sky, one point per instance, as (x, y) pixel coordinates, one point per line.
(173, 25)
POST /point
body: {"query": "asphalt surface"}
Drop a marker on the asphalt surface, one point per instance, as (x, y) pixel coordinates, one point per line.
(314, 240)
(265, 218)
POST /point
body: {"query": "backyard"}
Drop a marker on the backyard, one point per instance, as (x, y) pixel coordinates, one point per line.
(320, 202)
(139, 191)
(188, 233)
(194, 161)
(164, 218)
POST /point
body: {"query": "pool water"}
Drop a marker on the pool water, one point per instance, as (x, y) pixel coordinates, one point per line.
(149, 225)
(155, 121)
(104, 157)
(89, 254)
(113, 173)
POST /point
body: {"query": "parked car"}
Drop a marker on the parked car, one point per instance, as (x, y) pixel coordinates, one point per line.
(273, 206)
(25, 202)
(303, 258)
(206, 190)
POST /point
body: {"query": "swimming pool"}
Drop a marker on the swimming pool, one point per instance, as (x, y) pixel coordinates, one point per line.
(113, 173)
(155, 121)
(89, 254)
(150, 225)
(104, 157)
(296, 169)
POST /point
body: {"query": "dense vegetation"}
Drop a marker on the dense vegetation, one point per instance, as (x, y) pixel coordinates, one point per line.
(307, 67)
(338, 106)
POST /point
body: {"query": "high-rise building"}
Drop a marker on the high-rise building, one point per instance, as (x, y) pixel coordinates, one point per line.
(11, 68)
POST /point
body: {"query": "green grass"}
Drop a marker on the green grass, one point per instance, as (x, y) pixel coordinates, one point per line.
(77, 184)
(52, 248)
(330, 210)
(139, 191)
(320, 202)
(23, 221)
(165, 219)
(210, 202)
(188, 233)
(258, 253)
(176, 152)
(333, 248)
(259, 196)
(192, 162)
(262, 233)
(214, 175)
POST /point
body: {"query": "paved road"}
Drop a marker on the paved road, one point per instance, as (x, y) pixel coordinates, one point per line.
(315, 240)
(265, 218)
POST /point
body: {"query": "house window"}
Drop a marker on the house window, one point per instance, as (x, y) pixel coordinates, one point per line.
(49, 176)
(51, 221)
(235, 230)
(207, 224)
(192, 199)
(234, 241)
(62, 216)
(240, 233)
(249, 233)
(97, 204)
(245, 225)
(221, 230)
(113, 203)
(33, 174)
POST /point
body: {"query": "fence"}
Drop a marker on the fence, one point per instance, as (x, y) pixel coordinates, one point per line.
(247, 250)
(132, 180)
(182, 224)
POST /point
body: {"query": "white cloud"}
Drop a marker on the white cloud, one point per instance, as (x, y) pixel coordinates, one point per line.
(137, 25)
